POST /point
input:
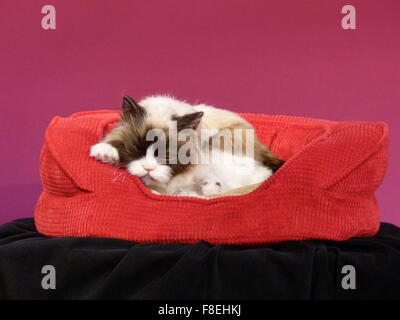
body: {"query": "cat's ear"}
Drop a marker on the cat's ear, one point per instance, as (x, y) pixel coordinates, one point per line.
(131, 107)
(189, 121)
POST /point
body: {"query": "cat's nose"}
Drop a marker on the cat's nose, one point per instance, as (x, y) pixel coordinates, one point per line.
(148, 167)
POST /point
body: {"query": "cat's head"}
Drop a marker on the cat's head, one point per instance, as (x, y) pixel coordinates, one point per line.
(144, 128)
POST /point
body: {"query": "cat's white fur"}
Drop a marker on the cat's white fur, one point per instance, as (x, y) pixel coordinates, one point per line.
(162, 108)
(230, 173)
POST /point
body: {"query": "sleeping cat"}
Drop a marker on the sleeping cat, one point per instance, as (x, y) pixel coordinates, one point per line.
(127, 146)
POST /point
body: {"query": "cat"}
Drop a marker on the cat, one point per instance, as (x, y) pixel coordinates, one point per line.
(126, 146)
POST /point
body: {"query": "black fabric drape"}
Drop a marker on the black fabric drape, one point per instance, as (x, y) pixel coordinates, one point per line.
(99, 268)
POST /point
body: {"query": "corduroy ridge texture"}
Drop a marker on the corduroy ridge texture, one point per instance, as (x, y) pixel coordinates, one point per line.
(325, 190)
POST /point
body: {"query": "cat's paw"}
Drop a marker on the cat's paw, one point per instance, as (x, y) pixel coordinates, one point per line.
(104, 152)
(211, 188)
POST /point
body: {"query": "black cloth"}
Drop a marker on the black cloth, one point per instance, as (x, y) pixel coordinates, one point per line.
(99, 268)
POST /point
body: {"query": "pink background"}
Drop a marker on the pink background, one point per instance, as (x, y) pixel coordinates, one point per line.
(276, 57)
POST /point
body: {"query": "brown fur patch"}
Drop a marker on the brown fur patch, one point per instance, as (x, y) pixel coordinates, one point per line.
(261, 152)
(188, 121)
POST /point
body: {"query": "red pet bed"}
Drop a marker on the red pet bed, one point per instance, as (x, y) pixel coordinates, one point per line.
(325, 190)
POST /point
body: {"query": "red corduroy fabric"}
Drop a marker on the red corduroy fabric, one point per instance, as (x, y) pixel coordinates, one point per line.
(325, 190)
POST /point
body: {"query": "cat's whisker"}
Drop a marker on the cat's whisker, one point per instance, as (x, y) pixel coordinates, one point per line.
(123, 173)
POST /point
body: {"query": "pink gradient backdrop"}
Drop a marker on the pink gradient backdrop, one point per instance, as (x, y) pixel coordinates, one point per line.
(276, 57)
